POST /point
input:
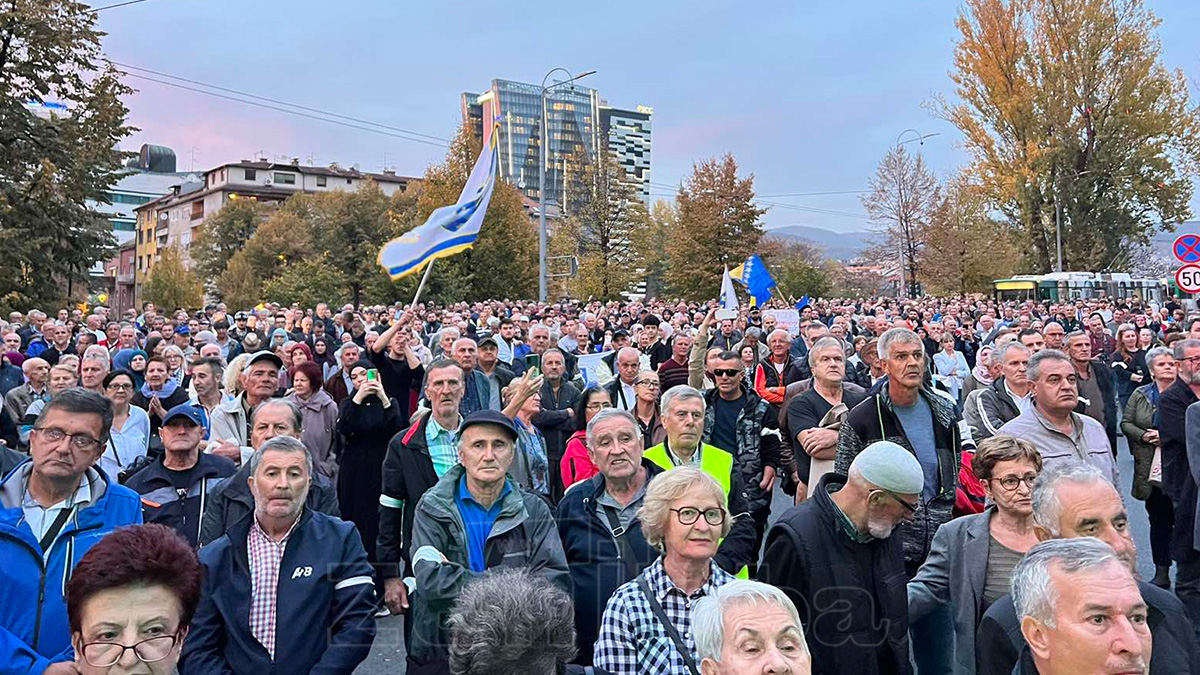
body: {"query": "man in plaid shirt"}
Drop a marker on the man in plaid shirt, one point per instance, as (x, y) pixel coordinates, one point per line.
(307, 601)
(683, 516)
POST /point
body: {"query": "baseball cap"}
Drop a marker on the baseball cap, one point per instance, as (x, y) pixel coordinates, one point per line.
(489, 340)
(240, 316)
(187, 411)
(181, 329)
(489, 417)
(264, 355)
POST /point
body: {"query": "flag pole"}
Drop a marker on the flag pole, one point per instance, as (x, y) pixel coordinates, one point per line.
(424, 278)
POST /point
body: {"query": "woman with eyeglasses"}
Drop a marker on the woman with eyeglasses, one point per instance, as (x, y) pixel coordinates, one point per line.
(576, 465)
(647, 387)
(971, 559)
(130, 601)
(129, 437)
(647, 623)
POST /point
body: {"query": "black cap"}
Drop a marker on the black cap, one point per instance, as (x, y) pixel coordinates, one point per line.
(489, 340)
(620, 333)
(489, 417)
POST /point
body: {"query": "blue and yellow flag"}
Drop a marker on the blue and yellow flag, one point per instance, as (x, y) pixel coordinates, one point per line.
(449, 229)
(754, 275)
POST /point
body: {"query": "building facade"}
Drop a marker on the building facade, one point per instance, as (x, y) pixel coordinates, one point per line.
(176, 218)
(628, 136)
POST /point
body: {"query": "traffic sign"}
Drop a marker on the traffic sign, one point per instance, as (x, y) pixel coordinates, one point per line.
(1188, 278)
(1187, 248)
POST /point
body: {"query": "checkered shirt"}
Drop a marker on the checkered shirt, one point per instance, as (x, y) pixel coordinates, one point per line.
(265, 557)
(633, 642)
(443, 446)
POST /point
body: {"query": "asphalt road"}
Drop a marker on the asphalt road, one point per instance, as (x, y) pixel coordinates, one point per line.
(387, 655)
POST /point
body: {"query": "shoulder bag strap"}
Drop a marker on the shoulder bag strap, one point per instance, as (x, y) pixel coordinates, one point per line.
(626, 549)
(670, 627)
(48, 538)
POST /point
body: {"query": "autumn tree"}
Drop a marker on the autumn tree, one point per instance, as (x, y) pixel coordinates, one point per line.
(172, 284)
(224, 233)
(348, 229)
(965, 248)
(718, 225)
(903, 194)
(1066, 109)
(651, 256)
(54, 169)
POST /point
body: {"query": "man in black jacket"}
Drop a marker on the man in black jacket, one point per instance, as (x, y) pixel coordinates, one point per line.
(557, 419)
(1097, 385)
(1178, 474)
(1075, 499)
(416, 458)
(598, 522)
(175, 488)
(835, 558)
(232, 499)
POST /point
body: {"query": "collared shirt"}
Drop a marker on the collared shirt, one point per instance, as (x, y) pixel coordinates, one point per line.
(265, 556)
(1088, 441)
(848, 527)
(675, 461)
(443, 446)
(626, 396)
(478, 521)
(631, 638)
(40, 518)
(1024, 403)
(625, 512)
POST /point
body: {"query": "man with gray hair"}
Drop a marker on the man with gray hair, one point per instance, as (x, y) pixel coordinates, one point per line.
(300, 576)
(1058, 432)
(232, 500)
(598, 521)
(510, 622)
(749, 627)
(1080, 610)
(835, 557)
(1075, 499)
(1179, 470)
(992, 406)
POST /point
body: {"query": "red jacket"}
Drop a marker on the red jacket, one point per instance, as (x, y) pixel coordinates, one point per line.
(576, 465)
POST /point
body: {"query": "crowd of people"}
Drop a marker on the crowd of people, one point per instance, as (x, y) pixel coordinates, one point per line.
(541, 488)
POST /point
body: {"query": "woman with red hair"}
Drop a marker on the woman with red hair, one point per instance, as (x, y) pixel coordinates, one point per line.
(131, 599)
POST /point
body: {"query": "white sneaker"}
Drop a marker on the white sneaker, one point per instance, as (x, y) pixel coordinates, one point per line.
(382, 612)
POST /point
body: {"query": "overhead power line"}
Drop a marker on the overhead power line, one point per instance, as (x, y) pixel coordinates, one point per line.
(298, 113)
(113, 6)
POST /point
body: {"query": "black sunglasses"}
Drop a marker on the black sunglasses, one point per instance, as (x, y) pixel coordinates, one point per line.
(726, 372)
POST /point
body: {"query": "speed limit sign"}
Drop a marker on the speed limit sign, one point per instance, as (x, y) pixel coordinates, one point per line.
(1187, 278)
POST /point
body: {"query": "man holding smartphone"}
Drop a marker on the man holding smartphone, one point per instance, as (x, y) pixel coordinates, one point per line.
(396, 364)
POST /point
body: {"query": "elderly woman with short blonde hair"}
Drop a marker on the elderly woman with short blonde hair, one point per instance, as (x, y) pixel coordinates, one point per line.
(646, 629)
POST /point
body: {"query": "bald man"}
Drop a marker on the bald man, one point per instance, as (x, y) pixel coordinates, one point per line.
(17, 401)
(620, 390)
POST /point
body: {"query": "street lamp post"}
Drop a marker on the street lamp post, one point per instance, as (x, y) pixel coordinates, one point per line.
(920, 139)
(545, 159)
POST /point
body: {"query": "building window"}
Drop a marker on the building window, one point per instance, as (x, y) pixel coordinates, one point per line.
(285, 178)
(197, 209)
(322, 181)
(349, 181)
(251, 174)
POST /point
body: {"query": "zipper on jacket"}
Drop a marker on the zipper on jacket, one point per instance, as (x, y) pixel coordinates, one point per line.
(37, 626)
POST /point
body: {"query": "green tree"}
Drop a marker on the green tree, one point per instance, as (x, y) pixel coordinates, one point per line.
(224, 233)
(718, 225)
(51, 168)
(349, 228)
(307, 282)
(799, 269)
(651, 256)
(901, 202)
(1065, 105)
(171, 284)
(239, 285)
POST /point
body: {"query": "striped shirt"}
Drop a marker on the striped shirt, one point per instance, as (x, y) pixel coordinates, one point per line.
(265, 557)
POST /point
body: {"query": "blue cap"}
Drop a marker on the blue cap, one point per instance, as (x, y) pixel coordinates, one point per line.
(181, 329)
(489, 417)
(187, 410)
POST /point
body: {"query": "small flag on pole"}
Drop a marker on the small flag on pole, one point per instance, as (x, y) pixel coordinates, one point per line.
(728, 297)
(449, 229)
(754, 275)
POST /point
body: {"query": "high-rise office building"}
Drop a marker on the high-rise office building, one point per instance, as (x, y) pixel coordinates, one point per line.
(579, 123)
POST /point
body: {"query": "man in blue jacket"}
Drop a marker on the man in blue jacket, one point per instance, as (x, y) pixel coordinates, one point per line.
(299, 576)
(53, 508)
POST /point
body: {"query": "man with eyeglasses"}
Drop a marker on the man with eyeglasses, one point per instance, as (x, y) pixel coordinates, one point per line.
(835, 558)
(53, 508)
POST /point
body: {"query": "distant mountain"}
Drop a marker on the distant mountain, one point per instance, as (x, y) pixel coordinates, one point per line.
(837, 245)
